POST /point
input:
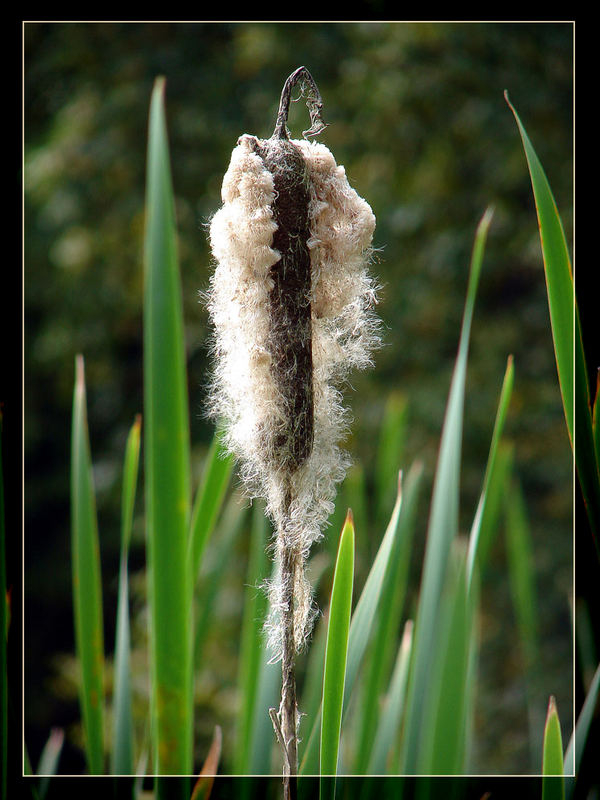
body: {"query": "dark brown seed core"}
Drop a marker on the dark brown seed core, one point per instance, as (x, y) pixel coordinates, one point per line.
(290, 341)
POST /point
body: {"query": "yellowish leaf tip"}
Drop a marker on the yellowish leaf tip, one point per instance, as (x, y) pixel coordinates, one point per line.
(80, 372)
(552, 709)
(487, 217)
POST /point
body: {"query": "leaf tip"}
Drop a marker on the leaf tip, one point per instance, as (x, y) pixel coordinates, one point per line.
(160, 83)
(79, 373)
(488, 215)
(552, 709)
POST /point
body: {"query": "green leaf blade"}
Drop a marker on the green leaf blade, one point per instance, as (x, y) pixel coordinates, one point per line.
(167, 463)
(209, 500)
(389, 451)
(122, 755)
(567, 335)
(448, 704)
(251, 648)
(361, 624)
(214, 573)
(87, 583)
(520, 572)
(553, 784)
(387, 731)
(559, 279)
(443, 525)
(336, 650)
(486, 515)
(387, 621)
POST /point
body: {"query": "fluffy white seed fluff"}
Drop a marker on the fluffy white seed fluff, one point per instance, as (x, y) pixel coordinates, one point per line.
(244, 393)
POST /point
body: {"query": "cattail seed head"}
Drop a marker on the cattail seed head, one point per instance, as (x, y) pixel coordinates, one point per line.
(290, 302)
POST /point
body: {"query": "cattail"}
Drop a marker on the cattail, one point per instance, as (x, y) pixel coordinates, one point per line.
(290, 302)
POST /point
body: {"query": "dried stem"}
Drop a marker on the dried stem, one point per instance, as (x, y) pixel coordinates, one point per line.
(285, 721)
(290, 314)
(313, 101)
(287, 708)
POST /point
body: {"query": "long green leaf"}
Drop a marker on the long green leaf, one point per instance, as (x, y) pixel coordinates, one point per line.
(209, 499)
(520, 571)
(122, 755)
(493, 505)
(389, 453)
(312, 690)
(211, 582)
(167, 463)
(447, 701)
(360, 630)
(366, 608)
(268, 692)
(87, 584)
(251, 653)
(486, 515)
(387, 730)
(553, 783)
(336, 650)
(443, 524)
(566, 332)
(559, 279)
(521, 576)
(384, 644)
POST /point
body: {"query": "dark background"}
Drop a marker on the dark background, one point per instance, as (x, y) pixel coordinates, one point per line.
(417, 117)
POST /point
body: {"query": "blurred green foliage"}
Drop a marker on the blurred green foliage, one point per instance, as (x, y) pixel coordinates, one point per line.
(417, 116)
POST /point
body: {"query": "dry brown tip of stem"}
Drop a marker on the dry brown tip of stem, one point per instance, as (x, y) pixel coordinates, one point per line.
(313, 102)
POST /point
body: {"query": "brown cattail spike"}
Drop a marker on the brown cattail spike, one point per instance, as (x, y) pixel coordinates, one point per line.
(290, 339)
(291, 302)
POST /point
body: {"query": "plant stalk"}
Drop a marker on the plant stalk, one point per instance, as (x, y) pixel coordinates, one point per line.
(288, 708)
(285, 721)
(290, 343)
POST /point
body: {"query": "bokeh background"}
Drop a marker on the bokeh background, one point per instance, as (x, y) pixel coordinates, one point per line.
(417, 116)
